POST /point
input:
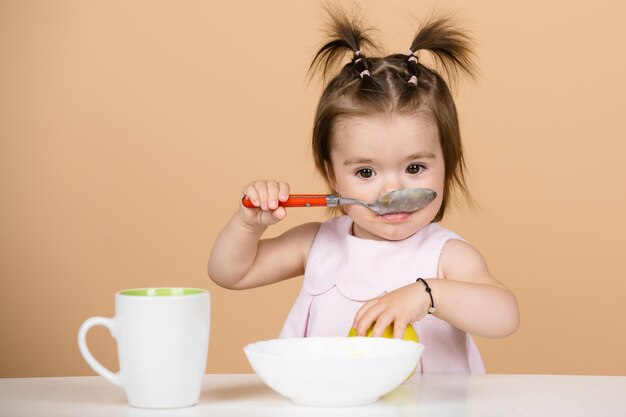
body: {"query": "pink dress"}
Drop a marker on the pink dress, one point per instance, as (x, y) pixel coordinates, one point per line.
(343, 271)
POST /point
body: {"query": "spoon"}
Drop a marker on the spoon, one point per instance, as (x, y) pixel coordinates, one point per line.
(405, 200)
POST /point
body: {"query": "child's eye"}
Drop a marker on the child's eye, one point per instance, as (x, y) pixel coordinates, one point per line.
(414, 168)
(365, 173)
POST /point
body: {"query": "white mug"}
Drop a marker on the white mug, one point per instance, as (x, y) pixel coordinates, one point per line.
(162, 339)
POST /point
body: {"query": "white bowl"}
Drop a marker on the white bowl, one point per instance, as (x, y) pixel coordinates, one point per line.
(334, 371)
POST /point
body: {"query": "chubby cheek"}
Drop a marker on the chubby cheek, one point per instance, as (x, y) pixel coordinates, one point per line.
(431, 210)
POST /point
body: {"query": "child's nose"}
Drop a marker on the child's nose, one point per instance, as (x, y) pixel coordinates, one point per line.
(392, 184)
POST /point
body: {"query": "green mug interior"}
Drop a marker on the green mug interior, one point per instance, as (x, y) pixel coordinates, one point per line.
(161, 292)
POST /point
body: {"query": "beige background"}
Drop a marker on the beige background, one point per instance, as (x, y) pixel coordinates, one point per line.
(128, 129)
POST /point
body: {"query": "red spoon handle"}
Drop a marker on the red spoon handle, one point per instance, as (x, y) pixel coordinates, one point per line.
(295, 200)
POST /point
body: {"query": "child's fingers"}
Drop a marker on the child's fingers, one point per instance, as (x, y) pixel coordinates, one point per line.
(279, 214)
(399, 328)
(283, 191)
(362, 310)
(261, 191)
(250, 192)
(368, 317)
(265, 195)
(272, 194)
(384, 319)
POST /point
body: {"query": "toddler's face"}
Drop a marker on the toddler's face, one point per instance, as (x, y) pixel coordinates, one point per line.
(372, 155)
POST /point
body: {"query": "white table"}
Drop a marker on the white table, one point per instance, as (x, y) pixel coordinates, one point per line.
(244, 395)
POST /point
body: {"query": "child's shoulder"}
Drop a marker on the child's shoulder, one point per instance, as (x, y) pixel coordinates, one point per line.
(296, 242)
(460, 260)
(339, 224)
(305, 231)
(305, 234)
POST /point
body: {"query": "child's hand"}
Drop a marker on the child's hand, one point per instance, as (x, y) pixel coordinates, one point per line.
(264, 195)
(400, 307)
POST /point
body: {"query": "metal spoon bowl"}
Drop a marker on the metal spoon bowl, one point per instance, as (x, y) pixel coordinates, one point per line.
(405, 200)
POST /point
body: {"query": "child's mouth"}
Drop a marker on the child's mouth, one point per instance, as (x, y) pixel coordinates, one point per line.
(395, 217)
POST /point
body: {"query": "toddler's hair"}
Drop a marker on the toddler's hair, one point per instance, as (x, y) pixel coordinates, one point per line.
(395, 83)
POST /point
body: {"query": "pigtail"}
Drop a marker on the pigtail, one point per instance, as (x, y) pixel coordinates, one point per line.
(451, 48)
(346, 35)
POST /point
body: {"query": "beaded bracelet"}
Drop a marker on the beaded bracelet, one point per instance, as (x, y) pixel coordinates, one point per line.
(432, 308)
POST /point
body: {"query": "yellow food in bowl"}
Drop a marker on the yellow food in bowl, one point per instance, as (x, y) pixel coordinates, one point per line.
(409, 333)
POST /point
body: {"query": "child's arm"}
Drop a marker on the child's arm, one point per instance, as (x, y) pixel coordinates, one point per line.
(468, 297)
(240, 259)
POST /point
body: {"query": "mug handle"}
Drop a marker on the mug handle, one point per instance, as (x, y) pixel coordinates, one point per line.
(89, 358)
